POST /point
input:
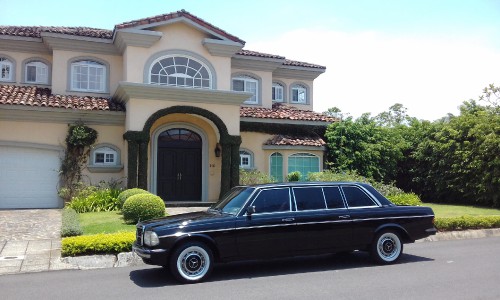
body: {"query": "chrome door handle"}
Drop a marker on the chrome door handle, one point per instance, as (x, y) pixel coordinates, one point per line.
(344, 217)
(288, 219)
(180, 176)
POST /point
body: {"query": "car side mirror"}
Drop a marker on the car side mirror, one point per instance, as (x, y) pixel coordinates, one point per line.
(250, 210)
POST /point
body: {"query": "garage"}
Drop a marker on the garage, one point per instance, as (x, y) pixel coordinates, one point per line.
(29, 176)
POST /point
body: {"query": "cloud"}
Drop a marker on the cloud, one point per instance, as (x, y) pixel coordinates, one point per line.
(370, 71)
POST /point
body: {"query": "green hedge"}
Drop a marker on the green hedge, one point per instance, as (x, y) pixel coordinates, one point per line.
(98, 244)
(467, 222)
(70, 223)
(405, 199)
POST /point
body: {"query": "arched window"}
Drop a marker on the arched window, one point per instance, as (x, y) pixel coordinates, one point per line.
(6, 69)
(248, 84)
(277, 92)
(276, 166)
(36, 72)
(304, 163)
(88, 76)
(299, 94)
(180, 71)
(246, 159)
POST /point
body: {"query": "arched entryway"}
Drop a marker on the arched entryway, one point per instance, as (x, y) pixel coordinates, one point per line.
(179, 163)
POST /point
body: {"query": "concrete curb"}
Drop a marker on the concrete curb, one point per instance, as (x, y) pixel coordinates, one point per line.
(126, 259)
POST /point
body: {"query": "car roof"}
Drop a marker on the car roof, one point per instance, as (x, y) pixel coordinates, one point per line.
(303, 183)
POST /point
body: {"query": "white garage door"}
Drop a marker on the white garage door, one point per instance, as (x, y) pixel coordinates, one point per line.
(29, 177)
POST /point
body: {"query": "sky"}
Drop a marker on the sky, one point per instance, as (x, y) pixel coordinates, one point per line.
(429, 55)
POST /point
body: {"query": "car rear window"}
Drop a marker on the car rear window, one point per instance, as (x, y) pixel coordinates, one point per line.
(355, 197)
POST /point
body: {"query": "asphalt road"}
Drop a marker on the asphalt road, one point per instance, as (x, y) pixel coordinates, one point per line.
(460, 269)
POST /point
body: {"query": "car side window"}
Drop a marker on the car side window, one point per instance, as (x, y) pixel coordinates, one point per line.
(309, 198)
(333, 197)
(355, 197)
(272, 200)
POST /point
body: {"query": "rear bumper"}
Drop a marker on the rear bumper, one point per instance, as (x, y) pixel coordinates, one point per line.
(431, 231)
(151, 256)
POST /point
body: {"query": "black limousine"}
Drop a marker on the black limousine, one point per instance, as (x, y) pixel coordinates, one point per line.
(282, 220)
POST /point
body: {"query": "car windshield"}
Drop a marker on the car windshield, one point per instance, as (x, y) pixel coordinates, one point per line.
(234, 200)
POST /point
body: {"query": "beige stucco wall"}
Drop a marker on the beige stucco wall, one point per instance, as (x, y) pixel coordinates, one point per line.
(54, 134)
(181, 39)
(60, 69)
(139, 110)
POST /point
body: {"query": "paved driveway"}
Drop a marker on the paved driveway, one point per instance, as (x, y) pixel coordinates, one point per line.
(30, 224)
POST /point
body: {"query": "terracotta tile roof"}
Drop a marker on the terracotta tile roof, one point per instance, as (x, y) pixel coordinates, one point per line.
(295, 63)
(287, 140)
(35, 31)
(178, 14)
(258, 54)
(43, 97)
(284, 112)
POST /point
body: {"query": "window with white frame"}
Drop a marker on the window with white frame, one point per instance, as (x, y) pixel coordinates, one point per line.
(88, 76)
(180, 71)
(299, 94)
(277, 92)
(245, 159)
(6, 69)
(305, 163)
(36, 72)
(247, 84)
(105, 156)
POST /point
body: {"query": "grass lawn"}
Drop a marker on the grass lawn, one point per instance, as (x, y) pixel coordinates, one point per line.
(445, 210)
(103, 222)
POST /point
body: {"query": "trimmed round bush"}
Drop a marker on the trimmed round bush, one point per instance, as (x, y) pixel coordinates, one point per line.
(142, 207)
(123, 196)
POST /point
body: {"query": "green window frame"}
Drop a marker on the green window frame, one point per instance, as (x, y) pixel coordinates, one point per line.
(276, 166)
(304, 163)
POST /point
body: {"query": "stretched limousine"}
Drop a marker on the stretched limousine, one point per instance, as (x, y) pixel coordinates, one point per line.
(282, 220)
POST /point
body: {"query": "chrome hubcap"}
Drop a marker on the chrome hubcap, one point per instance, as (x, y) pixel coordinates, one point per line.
(193, 263)
(389, 246)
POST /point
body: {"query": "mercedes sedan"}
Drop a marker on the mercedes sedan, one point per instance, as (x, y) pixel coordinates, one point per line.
(282, 220)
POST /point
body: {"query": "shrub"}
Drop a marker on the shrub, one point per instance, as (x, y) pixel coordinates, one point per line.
(294, 176)
(467, 222)
(95, 199)
(385, 189)
(405, 199)
(251, 177)
(70, 223)
(98, 243)
(142, 207)
(127, 193)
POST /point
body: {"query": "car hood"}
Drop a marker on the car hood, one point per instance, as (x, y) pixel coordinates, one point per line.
(187, 219)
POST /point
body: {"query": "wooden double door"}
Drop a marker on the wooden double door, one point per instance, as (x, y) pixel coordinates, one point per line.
(179, 165)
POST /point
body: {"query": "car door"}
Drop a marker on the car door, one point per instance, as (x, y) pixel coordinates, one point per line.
(365, 214)
(270, 231)
(323, 222)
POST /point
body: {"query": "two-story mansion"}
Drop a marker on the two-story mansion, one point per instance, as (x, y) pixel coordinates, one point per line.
(178, 104)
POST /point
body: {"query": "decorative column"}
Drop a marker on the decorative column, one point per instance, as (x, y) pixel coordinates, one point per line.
(137, 159)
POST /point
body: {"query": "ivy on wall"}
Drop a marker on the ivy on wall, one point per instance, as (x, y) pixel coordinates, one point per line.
(79, 139)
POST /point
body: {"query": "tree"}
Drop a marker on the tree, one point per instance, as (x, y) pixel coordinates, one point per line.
(397, 115)
(363, 146)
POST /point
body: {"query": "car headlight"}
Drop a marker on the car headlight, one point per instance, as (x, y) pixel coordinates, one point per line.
(151, 238)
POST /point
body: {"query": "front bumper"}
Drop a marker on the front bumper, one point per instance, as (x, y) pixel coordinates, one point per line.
(157, 257)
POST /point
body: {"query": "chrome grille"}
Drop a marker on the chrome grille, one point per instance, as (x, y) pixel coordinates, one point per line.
(139, 235)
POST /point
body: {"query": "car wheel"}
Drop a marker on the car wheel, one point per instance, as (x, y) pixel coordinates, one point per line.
(386, 247)
(191, 262)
